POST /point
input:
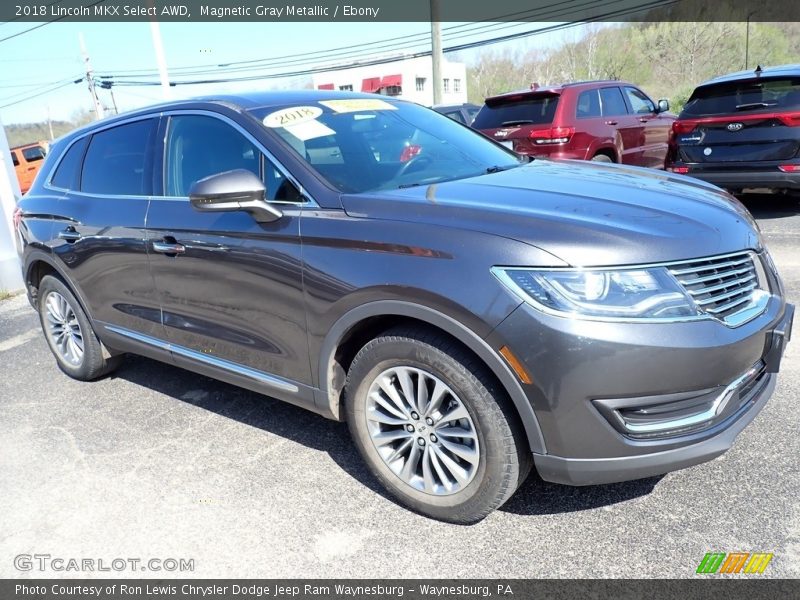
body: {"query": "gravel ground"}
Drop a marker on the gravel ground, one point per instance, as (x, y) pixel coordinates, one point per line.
(156, 462)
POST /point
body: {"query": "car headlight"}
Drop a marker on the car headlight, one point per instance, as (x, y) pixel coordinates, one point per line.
(614, 293)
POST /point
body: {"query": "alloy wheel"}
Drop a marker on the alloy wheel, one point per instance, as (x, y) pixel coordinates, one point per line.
(422, 431)
(64, 329)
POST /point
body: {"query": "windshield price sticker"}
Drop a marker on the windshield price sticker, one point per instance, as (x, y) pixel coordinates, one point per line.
(356, 105)
(292, 116)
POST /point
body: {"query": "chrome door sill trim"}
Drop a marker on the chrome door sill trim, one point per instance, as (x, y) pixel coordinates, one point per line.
(221, 363)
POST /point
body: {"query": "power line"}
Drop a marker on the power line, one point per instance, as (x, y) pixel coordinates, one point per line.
(466, 46)
(40, 25)
(330, 57)
(23, 16)
(422, 38)
(37, 95)
(43, 85)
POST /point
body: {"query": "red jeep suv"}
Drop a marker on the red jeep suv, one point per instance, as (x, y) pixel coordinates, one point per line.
(609, 121)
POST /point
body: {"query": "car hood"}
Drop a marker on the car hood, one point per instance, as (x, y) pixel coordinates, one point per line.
(583, 213)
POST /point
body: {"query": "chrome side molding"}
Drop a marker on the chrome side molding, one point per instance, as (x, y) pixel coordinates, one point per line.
(226, 365)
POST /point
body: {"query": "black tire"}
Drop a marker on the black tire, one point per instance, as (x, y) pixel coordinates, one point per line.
(504, 460)
(602, 158)
(93, 363)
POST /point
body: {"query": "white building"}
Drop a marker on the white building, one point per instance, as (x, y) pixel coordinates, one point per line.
(407, 78)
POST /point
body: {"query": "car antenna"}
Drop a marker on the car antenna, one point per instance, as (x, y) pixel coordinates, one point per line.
(758, 71)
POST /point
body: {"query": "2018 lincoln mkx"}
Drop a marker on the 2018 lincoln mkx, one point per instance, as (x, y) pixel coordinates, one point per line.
(469, 312)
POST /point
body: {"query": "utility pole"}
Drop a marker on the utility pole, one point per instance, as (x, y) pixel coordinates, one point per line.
(113, 100)
(98, 107)
(107, 84)
(10, 275)
(158, 47)
(436, 52)
(747, 42)
(49, 123)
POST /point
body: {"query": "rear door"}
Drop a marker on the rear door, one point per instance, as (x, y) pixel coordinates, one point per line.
(652, 129)
(748, 122)
(230, 288)
(591, 131)
(100, 220)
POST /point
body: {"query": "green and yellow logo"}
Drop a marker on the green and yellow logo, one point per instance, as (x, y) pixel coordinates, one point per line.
(734, 562)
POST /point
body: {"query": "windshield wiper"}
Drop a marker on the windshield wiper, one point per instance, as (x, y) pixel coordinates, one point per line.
(752, 105)
(498, 168)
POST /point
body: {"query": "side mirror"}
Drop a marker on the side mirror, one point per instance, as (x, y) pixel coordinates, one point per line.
(663, 105)
(233, 190)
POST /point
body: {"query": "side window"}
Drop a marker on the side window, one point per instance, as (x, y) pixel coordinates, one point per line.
(455, 115)
(588, 105)
(115, 160)
(14, 158)
(199, 146)
(33, 153)
(613, 104)
(68, 172)
(640, 103)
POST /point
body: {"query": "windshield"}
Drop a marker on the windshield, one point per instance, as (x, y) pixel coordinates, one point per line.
(744, 96)
(517, 110)
(366, 144)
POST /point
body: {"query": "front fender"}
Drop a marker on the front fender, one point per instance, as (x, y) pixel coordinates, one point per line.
(328, 397)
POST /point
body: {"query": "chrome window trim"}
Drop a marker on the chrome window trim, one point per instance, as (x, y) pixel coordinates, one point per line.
(310, 201)
(262, 377)
(754, 308)
(48, 182)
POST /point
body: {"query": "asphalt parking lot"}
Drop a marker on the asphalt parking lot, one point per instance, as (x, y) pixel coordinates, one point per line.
(156, 462)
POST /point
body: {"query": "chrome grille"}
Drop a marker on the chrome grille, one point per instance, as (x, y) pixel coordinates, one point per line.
(720, 286)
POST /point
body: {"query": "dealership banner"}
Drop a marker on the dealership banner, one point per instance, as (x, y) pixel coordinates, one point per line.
(336, 589)
(271, 11)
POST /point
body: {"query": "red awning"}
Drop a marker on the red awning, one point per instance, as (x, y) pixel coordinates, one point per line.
(392, 80)
(371, 84)
(325, 86)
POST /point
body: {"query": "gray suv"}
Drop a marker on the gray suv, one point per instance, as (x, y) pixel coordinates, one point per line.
(469, 312)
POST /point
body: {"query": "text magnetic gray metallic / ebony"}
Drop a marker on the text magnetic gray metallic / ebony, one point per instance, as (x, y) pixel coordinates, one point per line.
(469, 313)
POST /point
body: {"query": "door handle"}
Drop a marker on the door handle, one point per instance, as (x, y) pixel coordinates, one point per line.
(643, 120)
(612, 122)
(69, 234)
(169, 246)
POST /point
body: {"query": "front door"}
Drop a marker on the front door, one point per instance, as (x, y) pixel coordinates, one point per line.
(652, 129)
(230, 288)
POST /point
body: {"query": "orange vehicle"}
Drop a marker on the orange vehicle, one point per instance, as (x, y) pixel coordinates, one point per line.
(27, 160)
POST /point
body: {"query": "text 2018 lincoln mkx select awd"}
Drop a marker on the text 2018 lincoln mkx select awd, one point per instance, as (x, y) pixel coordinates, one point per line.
(469, 312)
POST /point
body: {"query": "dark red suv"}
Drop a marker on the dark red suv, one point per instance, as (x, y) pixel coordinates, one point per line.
(609, 121)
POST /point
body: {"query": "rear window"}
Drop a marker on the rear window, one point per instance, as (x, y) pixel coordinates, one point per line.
(68, 173)
(745, 96)
(588, 105)
(526, 110)
(34, 153)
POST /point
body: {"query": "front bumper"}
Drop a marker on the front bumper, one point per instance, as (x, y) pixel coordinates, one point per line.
(581, 368)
